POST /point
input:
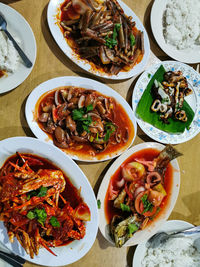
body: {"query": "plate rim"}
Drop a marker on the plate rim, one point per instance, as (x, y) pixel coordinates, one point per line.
(98, 86)
(168, 49)
(81, 63)
(20, 140)
(105, 183)
(142, 124)
(29, 70)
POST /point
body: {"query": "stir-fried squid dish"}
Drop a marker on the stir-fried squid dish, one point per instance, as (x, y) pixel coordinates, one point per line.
(169, 96)
(100, 32)
(138, 192)
(84, 121)
(39, 205)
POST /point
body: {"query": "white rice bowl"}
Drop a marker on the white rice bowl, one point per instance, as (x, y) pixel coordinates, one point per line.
(182, 23)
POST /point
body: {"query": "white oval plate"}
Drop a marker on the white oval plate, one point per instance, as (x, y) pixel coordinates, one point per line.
(189, 55)
(78, 248)
(19, 28)
(84, 83)
(193, 100)
(169, 226)
(53, 8)
(142, 235)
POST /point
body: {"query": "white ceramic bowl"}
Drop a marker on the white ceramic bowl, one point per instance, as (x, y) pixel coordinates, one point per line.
(84, 83)
(150, 230)
(78, 248)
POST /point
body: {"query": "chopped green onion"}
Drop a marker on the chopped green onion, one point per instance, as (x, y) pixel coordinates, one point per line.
(54, 222)
(132, 39)
(99, 203)
(30, 215)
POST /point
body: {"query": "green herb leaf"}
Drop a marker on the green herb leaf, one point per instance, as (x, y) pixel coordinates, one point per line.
(149, 75)
(77, 114)
(42, 191)
(30, 215)
(148, 206)
(111, 42)
(41, 215)
(99, 203)
(132, 39)
(125, 207)
(89, 108)
(132, 227)
(82, 119)
(54, 222)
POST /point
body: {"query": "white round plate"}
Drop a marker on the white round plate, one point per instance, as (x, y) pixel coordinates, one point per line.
(193, 100)
(189, 55)
(169, 226)
(19, 28)
(53, 8)
(84, 83)
(142, 235)
(78, 248)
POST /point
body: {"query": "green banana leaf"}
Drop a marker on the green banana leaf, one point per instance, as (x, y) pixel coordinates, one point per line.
(144, 112)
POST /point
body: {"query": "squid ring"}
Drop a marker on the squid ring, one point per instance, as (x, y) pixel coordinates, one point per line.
(156, 105)
(181, 115)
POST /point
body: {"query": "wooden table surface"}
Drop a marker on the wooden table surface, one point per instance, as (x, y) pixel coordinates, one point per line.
(51, 62)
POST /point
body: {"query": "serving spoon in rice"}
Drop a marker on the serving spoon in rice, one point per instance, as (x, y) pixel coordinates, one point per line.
(160, 238)
(3, 27)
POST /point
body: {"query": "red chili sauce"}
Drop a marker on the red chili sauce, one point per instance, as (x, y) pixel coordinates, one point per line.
(146, 154)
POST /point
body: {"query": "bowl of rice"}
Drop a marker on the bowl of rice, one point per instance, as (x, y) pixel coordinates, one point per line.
(179, 251)
(176, 28)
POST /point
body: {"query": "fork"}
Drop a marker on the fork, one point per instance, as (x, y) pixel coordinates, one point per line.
(3, 27)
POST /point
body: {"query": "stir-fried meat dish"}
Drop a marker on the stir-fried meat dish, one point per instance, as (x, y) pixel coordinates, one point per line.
(83, 120)
(169, 96)
(101, 33)
(138, 191)
(39, 205)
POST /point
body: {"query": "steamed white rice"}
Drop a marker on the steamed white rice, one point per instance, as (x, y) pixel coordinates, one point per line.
(9, 57)
(182, 28)
(176, 252)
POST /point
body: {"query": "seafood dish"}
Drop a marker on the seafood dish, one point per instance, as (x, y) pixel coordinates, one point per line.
(83, 121)
(163, 102)
(169, 96)
(39, 204)
(102, 34)
(139, 192)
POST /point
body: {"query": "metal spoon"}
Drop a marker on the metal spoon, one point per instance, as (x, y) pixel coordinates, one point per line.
(3, 27)
(160, 238)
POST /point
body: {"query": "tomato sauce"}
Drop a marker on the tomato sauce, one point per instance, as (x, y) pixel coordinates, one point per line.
(146, 154)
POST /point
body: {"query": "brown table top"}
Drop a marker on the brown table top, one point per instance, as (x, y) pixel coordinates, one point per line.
(51, 62)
